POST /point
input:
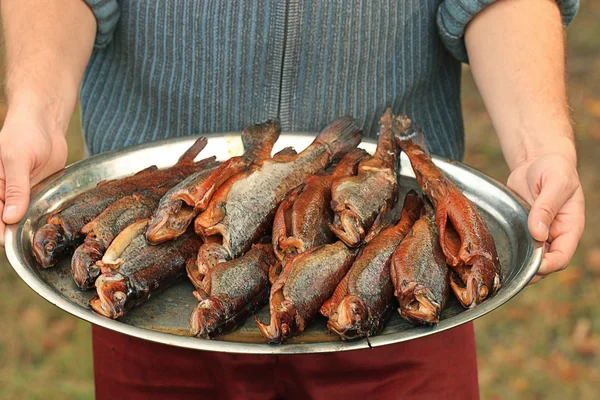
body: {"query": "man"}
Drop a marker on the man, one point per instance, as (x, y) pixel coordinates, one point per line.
(170, 68)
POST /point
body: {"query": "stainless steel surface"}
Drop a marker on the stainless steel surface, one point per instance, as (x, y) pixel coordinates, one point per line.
(164, 317)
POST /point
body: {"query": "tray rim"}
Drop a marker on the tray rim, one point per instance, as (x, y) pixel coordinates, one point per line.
(18, 263)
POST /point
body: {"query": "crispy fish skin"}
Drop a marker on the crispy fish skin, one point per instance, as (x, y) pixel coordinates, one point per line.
(361, 201)
(144, 270)
(464, 236)
(419, 272)
(63, 228)
(232, 291)
(362, 300)
(191, 196)
(242, 210)
(302, 219)
(101, 231)
(305, 283)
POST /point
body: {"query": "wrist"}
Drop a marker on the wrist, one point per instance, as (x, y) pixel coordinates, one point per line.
(539, 142)
(53, 113)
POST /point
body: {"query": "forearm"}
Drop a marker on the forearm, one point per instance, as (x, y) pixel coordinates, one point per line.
(48, 44)
(516, 53)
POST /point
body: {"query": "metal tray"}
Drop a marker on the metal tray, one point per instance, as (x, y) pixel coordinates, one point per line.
(164, 317)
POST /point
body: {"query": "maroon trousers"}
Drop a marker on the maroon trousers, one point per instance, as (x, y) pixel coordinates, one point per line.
(442, 366)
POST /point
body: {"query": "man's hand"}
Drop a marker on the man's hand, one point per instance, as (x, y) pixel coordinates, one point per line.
(550, 184)
(29, 152)
(516, 50)
(48, 44)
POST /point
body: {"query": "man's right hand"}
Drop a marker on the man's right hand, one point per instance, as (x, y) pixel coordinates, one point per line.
(30, 150)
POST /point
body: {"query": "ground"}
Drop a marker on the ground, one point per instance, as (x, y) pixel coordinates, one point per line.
(543, 344)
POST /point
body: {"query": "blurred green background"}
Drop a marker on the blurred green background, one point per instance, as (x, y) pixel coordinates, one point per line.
(544, 344)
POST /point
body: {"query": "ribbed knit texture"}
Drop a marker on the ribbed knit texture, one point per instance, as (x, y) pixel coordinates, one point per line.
(185, 67)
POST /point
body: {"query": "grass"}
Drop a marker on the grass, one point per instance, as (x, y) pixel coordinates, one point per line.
(544, 344)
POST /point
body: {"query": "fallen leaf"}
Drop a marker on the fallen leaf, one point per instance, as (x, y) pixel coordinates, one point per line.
(519, 384)
(592, 106)
(592, 260)
(570, 276)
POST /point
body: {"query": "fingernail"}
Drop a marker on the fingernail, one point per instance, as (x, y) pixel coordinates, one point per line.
(544, 228)
(9, 212)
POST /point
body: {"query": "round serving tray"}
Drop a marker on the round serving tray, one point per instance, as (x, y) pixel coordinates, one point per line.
(164, 317)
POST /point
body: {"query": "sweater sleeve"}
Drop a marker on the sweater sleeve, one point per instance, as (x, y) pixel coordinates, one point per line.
(107, 14)
(454, 15)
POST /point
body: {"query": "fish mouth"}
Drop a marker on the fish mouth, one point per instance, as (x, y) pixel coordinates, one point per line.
(348, 227)
(290, 246)
(478, 283)
(418, 305)
(283, 322)
(170, 222)
(83, 264)
(49, 243)
(112, 295)
(206, 319)
(350, 319)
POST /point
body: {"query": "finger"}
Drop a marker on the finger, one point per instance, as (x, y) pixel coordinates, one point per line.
(16, 193)
(552, 196)
(537, 278)
(2, 226)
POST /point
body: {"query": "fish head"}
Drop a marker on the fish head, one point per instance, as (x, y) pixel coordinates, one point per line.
(49, 242)
(482, 281)
(348, 227)
(419, 305)
(350, 319)
(284, 322)
(169, 222)
(83, 264)
(207, 318)
(112, 295)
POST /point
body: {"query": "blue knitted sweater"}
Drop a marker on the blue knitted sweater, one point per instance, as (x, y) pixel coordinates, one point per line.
(167, 68)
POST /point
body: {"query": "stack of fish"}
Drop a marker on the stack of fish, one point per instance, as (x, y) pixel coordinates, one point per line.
(282, 230)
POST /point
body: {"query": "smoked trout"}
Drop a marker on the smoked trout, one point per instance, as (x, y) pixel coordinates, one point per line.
(419, 272)
(141, 270)
(63, 228)
(465, 238)
(302, 220)
(242, 210)
(187, 199)
(361, 301)
(101, 231)
(305, 283)
(360, 202)
(231, 291)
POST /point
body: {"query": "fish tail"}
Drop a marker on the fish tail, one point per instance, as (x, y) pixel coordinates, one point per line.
(259, 139)
(409, 133)
(341, 136)
(193, 151)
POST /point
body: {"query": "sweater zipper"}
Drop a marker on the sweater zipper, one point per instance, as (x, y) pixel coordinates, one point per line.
(283, 54)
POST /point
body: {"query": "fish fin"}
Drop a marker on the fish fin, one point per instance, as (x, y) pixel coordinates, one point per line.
(338, 294)
(193, 151)
(378, 225)
(149, 170)
(286, 152)
(340, 136)
(275, 271)
(200, 295)
(123, 239)
(348, 165)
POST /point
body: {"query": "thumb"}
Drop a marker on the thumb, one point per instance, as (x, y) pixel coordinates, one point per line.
(16, 172)
(553, 194)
